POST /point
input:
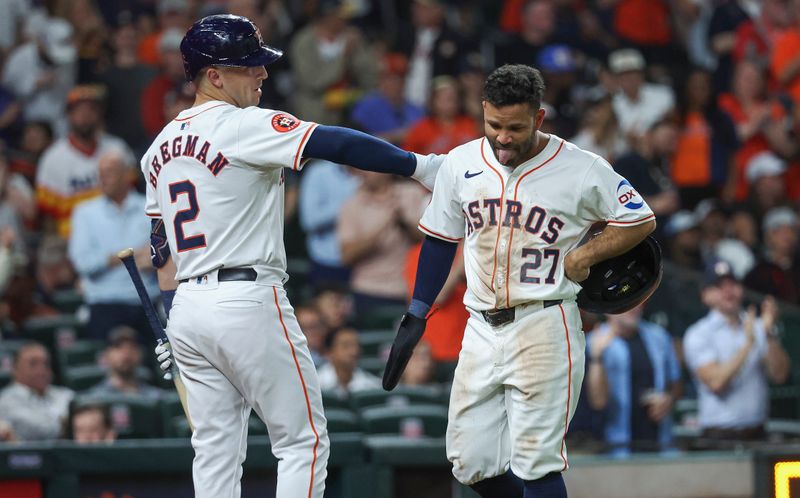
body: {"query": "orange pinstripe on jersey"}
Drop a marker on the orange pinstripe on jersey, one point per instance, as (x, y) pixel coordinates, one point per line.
(511, 233)
(500, 215)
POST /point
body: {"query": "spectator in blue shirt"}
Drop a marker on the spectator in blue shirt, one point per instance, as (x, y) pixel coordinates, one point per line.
(634, 375)
(732, 355)
(100, 228)
(385, 112)
(324, 188)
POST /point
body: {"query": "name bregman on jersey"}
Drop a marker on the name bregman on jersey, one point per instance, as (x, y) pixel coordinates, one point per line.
(185, 146)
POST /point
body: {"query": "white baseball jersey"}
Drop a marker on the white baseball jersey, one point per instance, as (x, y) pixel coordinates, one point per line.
(520, 223)
(221, 198)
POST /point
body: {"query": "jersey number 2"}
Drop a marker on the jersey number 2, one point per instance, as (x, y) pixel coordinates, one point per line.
(537, 263)
(185, 216)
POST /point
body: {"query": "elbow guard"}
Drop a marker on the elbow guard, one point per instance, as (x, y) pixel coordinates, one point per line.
(159, 248)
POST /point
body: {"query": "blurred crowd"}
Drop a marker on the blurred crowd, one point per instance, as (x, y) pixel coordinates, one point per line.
(696, 102)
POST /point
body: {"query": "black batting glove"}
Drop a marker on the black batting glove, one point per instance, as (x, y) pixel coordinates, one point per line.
(408, 335)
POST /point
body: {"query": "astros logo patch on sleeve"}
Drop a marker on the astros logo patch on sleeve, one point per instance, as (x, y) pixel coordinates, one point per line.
(628, 196)
(284, 122)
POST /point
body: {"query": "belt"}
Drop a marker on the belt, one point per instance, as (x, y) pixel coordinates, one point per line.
(496, 318)
(233, 275)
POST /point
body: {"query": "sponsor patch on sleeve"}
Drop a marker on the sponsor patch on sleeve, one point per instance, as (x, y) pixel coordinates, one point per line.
(284, 122)
(628, 196)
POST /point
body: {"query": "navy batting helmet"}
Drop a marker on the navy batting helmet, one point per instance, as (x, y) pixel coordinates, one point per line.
(621, 283)
(224, 40)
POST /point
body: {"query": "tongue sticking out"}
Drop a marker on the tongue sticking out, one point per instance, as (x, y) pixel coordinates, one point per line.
(504, 155)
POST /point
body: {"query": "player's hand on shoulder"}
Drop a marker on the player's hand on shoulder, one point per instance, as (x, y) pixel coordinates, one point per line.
(427, 168)
(164, 357)
(576, 267)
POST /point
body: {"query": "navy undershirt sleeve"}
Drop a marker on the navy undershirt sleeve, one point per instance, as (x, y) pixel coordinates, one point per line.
(359, 150)
(435, 260)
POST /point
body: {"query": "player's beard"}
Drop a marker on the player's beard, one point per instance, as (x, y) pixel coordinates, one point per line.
(512, 155)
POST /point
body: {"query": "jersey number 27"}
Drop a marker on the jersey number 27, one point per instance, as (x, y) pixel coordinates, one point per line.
(185, 216)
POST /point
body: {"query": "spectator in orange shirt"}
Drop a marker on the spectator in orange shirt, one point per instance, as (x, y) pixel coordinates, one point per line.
(445, 328)
(703, 164)
(446, 127)
(757, 118)
(169, 77)
(172, 14)
(785, 60)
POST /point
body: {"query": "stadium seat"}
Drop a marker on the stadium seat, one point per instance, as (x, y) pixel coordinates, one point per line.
(381, 317)
(256, 426)
(400, 396)
(79, 353)
(170, 408)
(375, 342)
(83, 377)
(5, 378)
(67, 301)
(372, 365)
(330, 400)
(410, 421)
(131, 416)
(340, 420)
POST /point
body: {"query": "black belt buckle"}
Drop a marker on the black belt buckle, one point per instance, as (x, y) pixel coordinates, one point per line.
(496, 318)
(233, 275)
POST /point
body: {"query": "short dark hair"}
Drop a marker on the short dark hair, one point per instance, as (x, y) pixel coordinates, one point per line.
(514, 84)
(25, 346)
(331, 337)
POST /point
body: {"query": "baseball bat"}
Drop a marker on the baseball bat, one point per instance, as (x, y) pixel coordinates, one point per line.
(126, 256)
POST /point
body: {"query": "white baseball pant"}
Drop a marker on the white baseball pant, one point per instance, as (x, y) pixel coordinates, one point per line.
(238, 345)
(515, 389)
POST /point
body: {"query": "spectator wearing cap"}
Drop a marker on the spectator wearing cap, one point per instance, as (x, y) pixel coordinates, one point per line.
(703, 165)
(386, 112)
(599, 132)
(683, 240)
(633, 375)
(646, 167)
(332, 64)
(172, 15)
(41, 71)
(126, 79)
(102, 227)
(123, 360)
(732, 355)
(637, 104)
(537, 30)
(67, 172)
(559, 66)
(170, 75)
(35, 408)
(766, 175)
(446, 126)
(432, 46)
(777, 271)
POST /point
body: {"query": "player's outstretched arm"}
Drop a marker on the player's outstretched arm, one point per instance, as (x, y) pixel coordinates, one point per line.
(359, 150)
(435, 261)
(612, 241)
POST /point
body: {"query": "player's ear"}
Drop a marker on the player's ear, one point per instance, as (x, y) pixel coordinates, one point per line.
(538, 118)
(211, 75)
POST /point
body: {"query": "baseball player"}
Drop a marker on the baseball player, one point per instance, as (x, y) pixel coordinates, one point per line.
(215, 191)
(522, 200)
